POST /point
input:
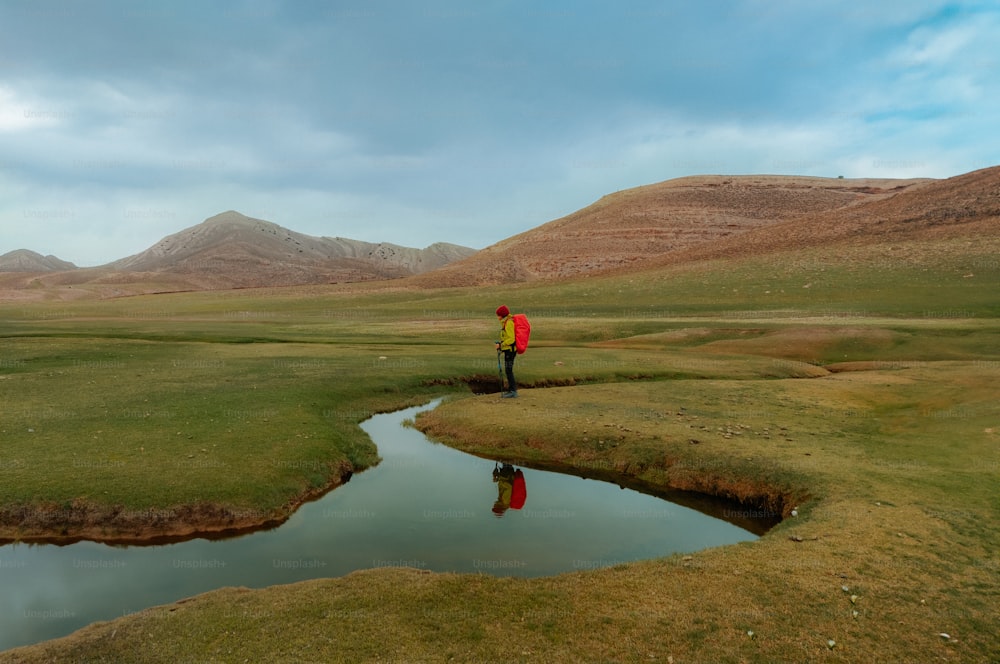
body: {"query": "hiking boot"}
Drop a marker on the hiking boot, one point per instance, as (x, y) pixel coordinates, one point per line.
(509, 395)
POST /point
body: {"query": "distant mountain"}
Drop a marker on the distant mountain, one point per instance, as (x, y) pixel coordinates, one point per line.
(234, 250)
(678, 221)
(229, 250)
(630, 227)
(25, 260)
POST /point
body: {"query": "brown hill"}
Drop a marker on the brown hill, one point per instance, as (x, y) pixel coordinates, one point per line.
(966, 205)
(229, 250)
(630, 227)
(232, 250)
(25, 260)
(687, 219)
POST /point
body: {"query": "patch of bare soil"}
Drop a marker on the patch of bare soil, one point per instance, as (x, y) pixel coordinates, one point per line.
(487, 384)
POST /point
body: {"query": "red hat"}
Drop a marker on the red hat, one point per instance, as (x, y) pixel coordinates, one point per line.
(503, 311)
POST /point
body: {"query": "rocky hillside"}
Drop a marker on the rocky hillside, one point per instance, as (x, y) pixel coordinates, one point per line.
(635, 225)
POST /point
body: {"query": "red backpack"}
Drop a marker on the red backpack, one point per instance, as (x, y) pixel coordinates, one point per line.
(522, 332)
(519, 492)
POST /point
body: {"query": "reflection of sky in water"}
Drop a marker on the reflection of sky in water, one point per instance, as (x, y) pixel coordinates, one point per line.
(425, 505)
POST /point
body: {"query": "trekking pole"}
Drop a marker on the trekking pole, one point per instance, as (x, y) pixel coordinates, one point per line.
(499, 370)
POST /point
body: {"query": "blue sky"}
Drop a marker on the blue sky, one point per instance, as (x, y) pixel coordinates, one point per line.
(417, 122)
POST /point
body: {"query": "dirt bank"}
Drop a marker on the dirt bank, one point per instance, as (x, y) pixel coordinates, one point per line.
(82, 519)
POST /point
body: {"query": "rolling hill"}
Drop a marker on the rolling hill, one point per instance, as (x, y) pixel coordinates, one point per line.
(655, 221)
(966, 206)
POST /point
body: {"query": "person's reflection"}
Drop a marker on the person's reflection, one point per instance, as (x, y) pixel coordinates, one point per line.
(511, 490)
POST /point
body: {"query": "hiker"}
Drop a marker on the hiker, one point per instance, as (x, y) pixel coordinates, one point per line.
(511, 490)
(504, 478)
(507, 346)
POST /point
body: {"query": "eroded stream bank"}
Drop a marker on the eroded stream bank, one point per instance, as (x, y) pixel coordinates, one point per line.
(425, 506)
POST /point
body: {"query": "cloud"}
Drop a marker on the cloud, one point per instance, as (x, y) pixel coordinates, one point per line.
(121, 122)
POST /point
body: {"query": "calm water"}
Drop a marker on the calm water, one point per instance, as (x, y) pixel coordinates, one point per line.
(426, 506)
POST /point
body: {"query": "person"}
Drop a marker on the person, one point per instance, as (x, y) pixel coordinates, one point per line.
(504, 479)
(506, 346)
(511, 490)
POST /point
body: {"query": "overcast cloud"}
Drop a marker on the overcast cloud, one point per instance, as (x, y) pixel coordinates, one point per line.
(417, 122)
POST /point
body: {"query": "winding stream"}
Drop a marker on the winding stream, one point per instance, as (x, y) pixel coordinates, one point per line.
(426, 506)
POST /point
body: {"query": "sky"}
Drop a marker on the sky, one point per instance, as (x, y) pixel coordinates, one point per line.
(122, 122)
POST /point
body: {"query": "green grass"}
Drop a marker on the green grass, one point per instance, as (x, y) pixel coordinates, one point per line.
(893, 466)
(140, 423)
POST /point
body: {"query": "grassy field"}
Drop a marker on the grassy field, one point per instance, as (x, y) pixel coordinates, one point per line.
(858, 389)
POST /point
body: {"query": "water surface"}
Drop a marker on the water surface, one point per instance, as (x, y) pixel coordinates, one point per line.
(426, 506)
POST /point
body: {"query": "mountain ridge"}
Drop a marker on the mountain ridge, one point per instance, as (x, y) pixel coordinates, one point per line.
(684, 220)
(26, 260)
(230, 235)
(228, 250)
